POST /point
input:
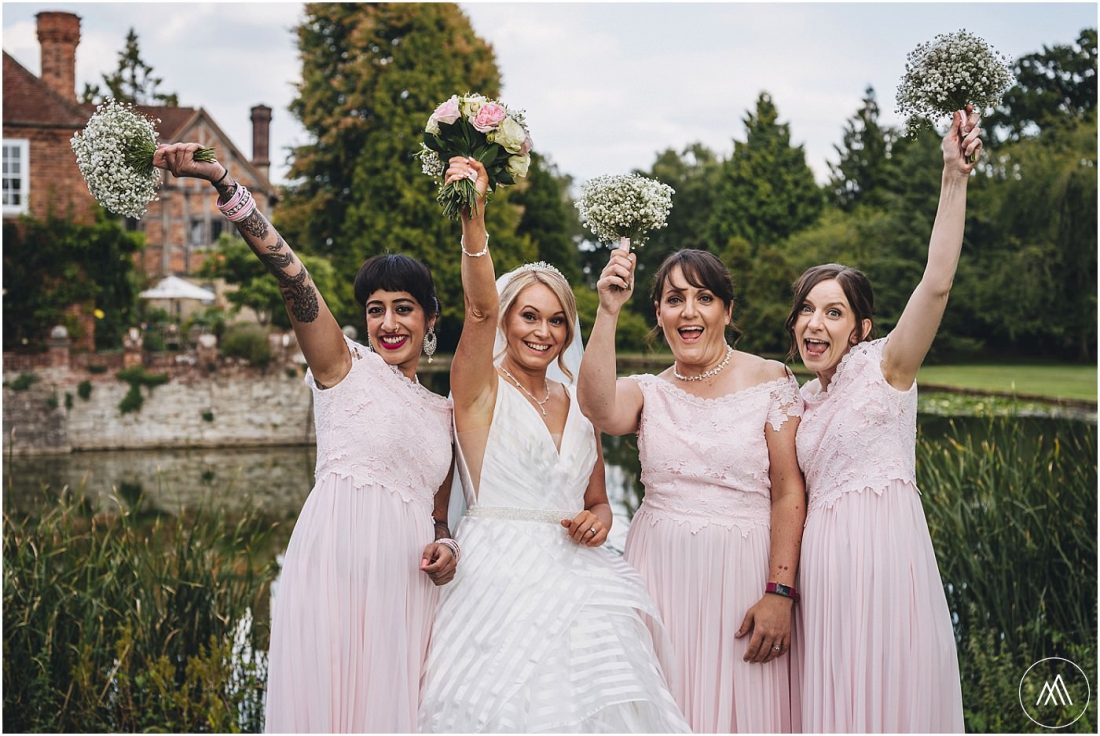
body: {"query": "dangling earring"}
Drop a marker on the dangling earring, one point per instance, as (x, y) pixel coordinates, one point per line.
(370, 345)
(430, 342)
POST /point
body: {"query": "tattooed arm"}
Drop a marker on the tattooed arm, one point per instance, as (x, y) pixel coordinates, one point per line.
(318, 334)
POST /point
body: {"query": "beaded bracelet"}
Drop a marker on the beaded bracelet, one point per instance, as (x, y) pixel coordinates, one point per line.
(239, 206)
(480, 253)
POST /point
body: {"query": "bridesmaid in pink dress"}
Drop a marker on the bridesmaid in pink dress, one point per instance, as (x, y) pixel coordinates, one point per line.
(874, 634)
(354, 604)
(717, 536)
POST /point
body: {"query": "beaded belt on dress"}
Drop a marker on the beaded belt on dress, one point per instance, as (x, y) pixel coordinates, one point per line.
(510, 513)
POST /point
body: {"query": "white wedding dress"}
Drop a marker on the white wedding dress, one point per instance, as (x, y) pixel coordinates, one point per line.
(537, 633)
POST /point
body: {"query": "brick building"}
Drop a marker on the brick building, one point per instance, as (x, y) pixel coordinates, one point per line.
(40, 175)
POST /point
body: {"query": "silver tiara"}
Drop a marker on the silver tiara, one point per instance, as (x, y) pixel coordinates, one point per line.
(540, 266)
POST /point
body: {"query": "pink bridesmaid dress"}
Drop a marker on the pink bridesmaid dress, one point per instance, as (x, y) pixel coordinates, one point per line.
(701, 542)
(874, 632)
(352, 612)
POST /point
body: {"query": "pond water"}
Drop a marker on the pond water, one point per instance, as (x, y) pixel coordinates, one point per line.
(278, 479)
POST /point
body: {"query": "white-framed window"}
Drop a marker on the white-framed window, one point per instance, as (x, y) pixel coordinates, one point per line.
(15, 175)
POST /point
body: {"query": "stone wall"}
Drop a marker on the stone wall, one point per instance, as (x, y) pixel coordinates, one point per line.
(230, 407)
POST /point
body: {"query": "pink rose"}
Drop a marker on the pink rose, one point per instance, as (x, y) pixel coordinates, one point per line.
(447, 112)
(489, 117)
(526, 147)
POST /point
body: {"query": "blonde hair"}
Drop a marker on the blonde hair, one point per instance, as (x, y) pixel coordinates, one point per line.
(559, 286)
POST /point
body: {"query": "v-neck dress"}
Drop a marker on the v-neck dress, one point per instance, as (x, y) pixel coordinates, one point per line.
(701, 540)
(537, 633)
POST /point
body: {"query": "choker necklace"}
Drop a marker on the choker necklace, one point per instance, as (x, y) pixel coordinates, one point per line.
(706, 374)
(520, 386)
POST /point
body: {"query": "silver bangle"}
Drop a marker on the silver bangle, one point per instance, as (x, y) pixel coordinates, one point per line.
(452, 545)
(480, 253)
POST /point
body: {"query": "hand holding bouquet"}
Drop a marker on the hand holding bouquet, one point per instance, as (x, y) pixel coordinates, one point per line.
(946, 74)
(624, 209)
(115, 156)
(474, 126)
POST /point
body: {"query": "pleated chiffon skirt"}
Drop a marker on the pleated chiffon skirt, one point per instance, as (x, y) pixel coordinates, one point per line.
(703, 580)
(874, 633)
(351, 615)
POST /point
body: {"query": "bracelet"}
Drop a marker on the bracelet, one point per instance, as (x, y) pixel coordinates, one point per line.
(220, 178)
(239, 206)
(480, 253)
(787, 591)
(451, 545)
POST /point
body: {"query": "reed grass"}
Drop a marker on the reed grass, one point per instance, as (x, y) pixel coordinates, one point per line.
(1013, 519)
(131, 622)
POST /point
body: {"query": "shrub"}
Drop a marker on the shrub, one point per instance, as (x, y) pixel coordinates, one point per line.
(23, 382)
(137, 377)
(84, 390)
(249, 342)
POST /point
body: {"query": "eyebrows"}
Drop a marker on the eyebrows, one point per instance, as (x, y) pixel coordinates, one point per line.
(533, 308)
(398, 300)
(842, 305)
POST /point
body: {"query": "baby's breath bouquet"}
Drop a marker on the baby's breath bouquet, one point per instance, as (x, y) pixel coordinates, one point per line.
(475, 127)
(946, 74)
(114, 153)
(627, 207)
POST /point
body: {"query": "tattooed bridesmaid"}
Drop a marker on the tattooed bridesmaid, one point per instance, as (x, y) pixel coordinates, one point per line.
(353, 606)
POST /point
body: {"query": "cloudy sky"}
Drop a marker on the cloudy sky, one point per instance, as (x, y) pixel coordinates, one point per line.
(605, 85)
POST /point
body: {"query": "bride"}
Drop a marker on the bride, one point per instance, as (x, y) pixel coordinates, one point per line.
(542, 628)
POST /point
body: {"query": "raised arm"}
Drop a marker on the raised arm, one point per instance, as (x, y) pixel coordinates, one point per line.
(473, 377)
(319, 336)
(912, 337)
(612, 405)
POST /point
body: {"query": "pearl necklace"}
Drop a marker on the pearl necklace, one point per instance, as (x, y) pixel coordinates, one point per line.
(521, 387)
(706, 374)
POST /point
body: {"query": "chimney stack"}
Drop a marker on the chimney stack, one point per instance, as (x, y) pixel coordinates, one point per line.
(58, 36)
(261, 126)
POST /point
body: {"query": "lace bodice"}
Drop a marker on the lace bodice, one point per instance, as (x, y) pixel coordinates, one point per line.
(860, 433)
(705, 461)
(522, 469)
(380, 428)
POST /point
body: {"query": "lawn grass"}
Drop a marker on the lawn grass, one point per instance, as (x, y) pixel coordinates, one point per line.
(1055, 380)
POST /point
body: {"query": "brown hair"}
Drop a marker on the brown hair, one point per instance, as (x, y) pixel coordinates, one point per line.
(857, 290)
(703, 270)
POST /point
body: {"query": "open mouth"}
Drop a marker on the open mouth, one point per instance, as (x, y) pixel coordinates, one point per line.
(393, 342)
(814, 348)
(536, 346)
(690, 334)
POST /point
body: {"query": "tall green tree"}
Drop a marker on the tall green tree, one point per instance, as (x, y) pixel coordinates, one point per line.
(133, 81)
(1053, 86)
(864, 161)
(549, 218)
(371, 76)
(52, 264)
(766, 191)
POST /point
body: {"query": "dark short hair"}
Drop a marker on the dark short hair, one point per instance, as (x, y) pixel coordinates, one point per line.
(857, 290)
(703, 270)
(396, 272)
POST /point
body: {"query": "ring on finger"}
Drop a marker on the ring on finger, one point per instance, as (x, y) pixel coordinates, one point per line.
(591, 531)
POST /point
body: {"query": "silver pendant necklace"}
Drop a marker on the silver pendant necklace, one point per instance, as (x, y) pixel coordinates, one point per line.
(706, 374)
(520, 386)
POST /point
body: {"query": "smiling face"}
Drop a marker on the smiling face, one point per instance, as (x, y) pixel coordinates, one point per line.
(396, 325)
(535, 328)
(693, 320)
(825, 328)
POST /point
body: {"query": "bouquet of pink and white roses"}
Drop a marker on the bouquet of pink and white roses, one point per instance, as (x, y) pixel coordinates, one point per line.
(475, 127)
